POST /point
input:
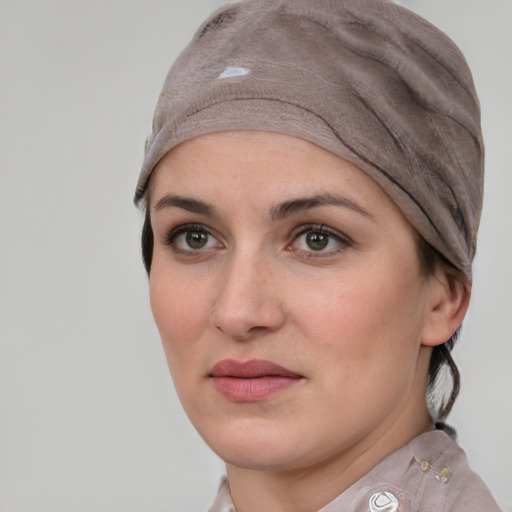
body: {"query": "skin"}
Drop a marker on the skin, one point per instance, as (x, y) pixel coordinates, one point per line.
(354, 318)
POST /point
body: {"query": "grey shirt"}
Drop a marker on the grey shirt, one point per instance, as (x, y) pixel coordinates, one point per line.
(429, 474)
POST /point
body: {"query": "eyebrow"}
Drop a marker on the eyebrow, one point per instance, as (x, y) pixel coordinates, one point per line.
(185, 203)
(301, 204)
(277, 212)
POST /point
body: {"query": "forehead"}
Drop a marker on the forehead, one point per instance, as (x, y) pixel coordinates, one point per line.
(267, 164)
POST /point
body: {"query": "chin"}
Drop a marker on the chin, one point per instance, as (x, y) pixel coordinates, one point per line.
(262, 457)
(261, 446)
(250, 445)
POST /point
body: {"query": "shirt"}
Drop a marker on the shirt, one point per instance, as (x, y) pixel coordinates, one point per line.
(428, 474)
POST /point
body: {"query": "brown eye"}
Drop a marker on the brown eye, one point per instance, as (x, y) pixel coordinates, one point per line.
(196, 239)
(317, 241)
(320, 240)
(192, 239)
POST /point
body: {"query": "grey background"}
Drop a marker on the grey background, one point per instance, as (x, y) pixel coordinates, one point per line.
(88, 417)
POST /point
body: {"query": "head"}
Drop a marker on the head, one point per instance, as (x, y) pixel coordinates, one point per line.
(257, 258)
(367, 89)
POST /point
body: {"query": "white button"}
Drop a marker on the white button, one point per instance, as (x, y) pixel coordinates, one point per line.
(233, 71)
(383, 502)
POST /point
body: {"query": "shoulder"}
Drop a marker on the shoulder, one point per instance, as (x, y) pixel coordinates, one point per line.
(446, 482)
(431, 473)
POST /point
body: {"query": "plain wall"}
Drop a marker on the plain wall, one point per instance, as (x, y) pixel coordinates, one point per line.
(88, 417)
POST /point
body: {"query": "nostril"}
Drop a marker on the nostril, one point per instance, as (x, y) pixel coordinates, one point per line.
(244, 323)
(245, 304)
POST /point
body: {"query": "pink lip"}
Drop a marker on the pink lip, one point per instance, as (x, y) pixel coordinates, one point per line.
(251, 381)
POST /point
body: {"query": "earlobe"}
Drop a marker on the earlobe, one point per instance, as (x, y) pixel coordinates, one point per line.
(447, 304)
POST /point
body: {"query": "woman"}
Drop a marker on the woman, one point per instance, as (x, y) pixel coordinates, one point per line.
(313, 188)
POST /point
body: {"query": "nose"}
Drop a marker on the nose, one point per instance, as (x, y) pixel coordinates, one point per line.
(248, 302)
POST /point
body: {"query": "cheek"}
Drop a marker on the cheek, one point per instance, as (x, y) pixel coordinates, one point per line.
(367, 318)
(180, 309)
(367, 341)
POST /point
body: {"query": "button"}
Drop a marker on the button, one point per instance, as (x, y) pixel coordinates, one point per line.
(441, 475)
(425, 465)
(383, 502)
(444, 475)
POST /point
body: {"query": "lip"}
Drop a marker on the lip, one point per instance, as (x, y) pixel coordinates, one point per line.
(251, 381)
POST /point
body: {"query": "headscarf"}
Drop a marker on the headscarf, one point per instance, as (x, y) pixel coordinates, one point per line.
(368, 80)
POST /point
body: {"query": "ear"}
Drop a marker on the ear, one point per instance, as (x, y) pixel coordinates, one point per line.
(447, 303)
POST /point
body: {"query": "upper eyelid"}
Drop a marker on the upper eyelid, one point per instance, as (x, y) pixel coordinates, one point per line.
(172, 233)
(321, 228)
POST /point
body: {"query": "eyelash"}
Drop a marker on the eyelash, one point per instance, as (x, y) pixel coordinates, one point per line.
(173, 235)
(342, 241)
(319, 229)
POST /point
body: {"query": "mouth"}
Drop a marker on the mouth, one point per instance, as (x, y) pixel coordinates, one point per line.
(251, 381)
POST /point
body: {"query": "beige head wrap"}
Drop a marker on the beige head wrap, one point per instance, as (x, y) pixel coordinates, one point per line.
(367, 80)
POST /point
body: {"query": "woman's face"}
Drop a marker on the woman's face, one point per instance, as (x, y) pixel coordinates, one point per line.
(287, 290)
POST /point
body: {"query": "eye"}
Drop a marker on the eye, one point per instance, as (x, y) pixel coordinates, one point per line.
(191, 238)
(319, 239)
